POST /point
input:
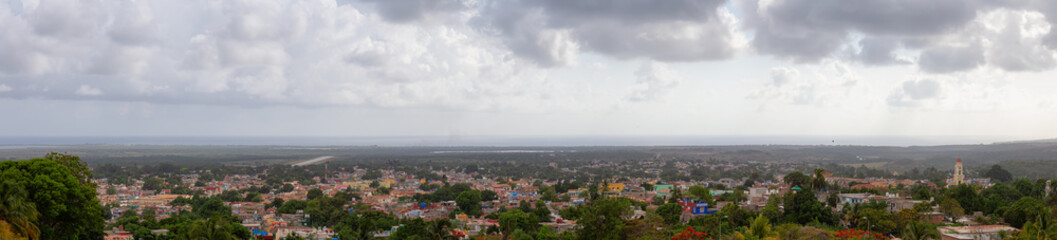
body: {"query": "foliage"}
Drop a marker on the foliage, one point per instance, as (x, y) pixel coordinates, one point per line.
(951, 208)
(760, 228)
(67, 206)
(998, 174)
(469, 202)
(16, 212)
(1022, 211)
(858, 234)
(513, 220)
(802, 207)
(603, 218)
(797, 179)
(292, 206)
(325, 211)
(670, 212)
(363, 225)
(691, 234)
(920, 231)
(542, 212)
(701, 193)
(214, 228)
(314, 194)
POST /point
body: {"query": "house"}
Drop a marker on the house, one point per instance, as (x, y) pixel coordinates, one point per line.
(982, 232)
(118, 233)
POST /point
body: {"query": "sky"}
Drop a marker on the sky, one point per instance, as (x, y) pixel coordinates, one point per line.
(532, 68)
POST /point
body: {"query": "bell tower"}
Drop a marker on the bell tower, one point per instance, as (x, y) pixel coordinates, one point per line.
(959, 177)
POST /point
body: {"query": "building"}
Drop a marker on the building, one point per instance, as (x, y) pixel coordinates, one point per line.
(982, 232)
(959, 176)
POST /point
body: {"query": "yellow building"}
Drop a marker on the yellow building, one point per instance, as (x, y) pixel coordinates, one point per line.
(615, 187)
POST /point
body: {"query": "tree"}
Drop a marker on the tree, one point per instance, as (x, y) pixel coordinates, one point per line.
(677, 195)
(325, 211)
(67, 206)
(214, 228)
(314, 193)
(16, 211)
(797, 179)
(701, 193)
(276, 203)
(78, 169)
(920, 231)
(951, 208)
(771, 210)
(549, 194)
(1023, 211)
(362, 225)
(802, 207)
(646, 186)
(542, 212)
(604, 218)
(513, 220)
(760, 228)
(153, 183)
(489, 195)
(998, 174)
(670, 212)
(231, 196)
(967, 197)
(254, 197)
(819, 182)
(469, 202)
(292, 206)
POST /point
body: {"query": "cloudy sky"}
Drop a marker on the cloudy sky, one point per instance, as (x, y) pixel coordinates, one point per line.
(528, 68)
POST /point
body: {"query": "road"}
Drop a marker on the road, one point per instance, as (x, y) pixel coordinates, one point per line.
(312, 161)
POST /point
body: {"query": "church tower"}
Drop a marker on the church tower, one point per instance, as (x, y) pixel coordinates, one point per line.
(959, 177)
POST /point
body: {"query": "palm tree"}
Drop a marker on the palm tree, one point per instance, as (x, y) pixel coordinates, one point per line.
(16, 212)
(1041, 229)
(760, 228)
(212, 229)
(920, 231)
(439, 229)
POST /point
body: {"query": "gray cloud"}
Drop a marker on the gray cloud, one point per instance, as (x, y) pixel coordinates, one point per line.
(782, 75)
(547, 31)
(654, 80)
(809, 30)
(403, 11)
(879, 51)
(951, 59)
(912, 92)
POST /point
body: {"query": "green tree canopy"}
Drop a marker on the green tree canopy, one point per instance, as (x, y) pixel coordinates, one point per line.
(469, 202)
(999, 174)
(67, 206)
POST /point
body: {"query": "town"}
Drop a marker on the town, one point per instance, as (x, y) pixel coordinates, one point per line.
(568, 199)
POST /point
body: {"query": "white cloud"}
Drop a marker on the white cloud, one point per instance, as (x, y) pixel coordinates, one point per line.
(5, 88)
(653, 81)
(86, 90)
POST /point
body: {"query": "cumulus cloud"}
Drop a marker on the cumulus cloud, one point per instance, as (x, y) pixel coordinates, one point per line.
(809, 30)
(912, 92)
(5, 88)
(403, 11)
(951, 59)
(86, 90)
(314, 53)
(783, 75)
(820, 85)
(653, 81)
(549, 32)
